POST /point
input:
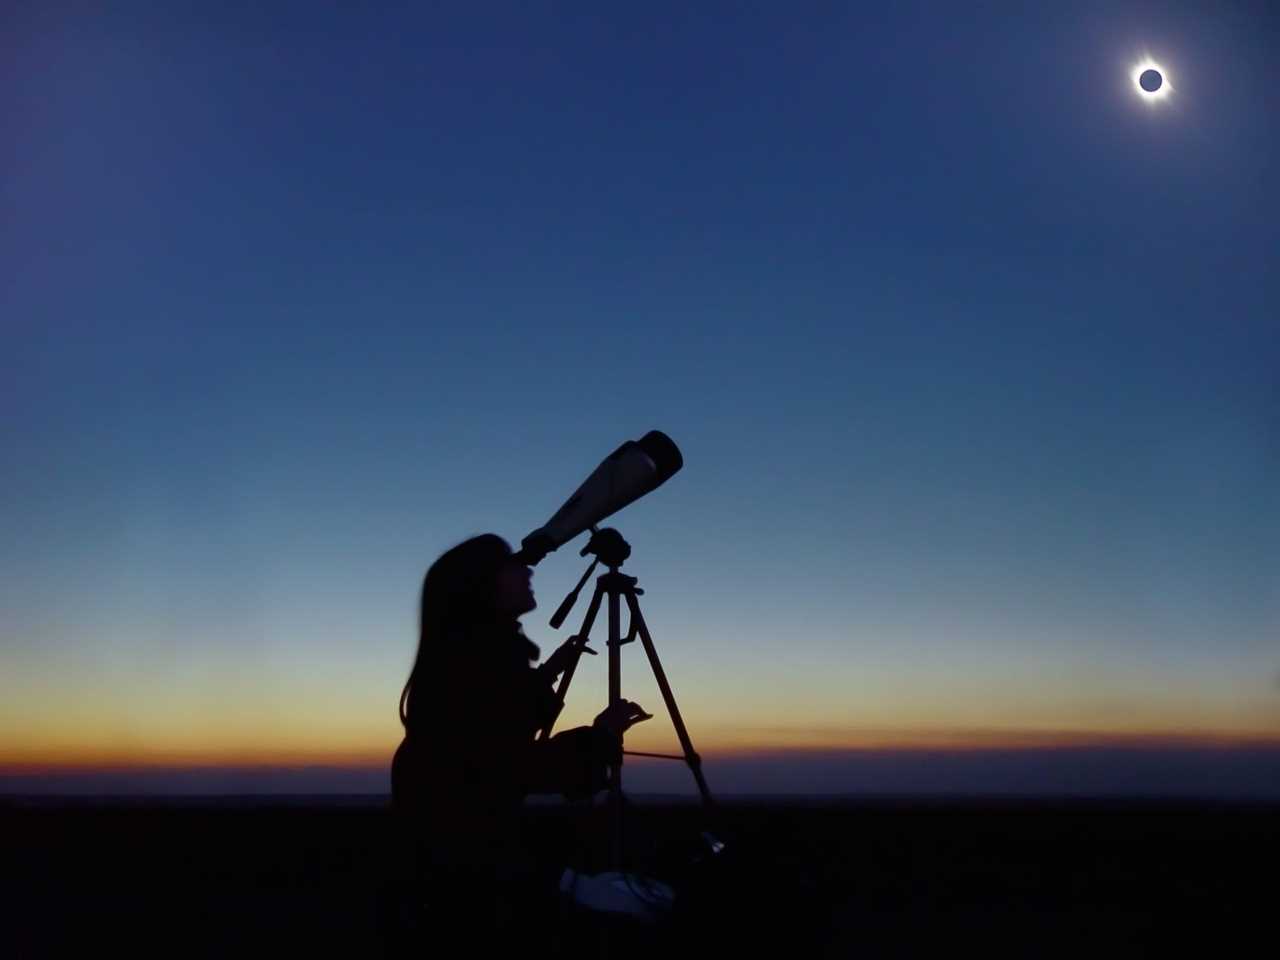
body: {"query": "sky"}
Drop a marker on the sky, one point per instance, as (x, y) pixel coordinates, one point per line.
(971, 352)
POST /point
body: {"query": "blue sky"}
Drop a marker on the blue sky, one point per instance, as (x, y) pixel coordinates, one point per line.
(971, 353)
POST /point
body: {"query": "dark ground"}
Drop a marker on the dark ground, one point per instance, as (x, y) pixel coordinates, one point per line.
(864, 878)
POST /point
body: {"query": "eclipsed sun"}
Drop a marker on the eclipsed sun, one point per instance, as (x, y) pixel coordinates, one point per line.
(1151, 80)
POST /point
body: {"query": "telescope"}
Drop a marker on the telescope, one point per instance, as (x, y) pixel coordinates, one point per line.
(634, 469)
(626, 475)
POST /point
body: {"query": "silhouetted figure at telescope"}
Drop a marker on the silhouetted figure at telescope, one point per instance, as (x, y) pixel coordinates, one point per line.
(470, 709)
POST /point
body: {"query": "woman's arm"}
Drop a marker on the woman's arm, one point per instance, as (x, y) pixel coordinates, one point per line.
(574, 762)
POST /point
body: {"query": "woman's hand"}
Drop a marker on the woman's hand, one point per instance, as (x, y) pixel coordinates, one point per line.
(563, 657)
(621, 716)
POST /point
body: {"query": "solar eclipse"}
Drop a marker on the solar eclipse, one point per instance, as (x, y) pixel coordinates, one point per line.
(1151, 80)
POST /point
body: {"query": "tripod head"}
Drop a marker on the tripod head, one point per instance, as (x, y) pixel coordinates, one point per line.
(608, 546)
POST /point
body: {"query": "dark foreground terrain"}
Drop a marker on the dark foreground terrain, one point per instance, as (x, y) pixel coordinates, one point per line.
(303, 877)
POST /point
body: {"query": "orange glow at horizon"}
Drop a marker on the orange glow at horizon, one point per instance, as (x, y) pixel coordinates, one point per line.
(328, 716)
(88, 758)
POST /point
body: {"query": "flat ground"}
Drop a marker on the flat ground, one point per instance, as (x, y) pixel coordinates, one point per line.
(865, 879)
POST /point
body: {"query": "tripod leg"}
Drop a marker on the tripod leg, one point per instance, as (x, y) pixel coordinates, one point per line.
(690, 755)
(562, 690)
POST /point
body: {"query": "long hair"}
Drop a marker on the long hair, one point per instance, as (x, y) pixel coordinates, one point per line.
(459, 602)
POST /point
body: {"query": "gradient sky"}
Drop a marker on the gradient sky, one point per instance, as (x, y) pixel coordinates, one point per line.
(972, 354)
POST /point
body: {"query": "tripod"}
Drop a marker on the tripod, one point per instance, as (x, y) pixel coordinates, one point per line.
(609, 546)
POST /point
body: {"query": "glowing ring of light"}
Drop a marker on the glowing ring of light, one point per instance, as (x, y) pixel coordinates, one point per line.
(1165, 85)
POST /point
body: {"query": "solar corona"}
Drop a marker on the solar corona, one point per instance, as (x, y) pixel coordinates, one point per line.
(1151, 80)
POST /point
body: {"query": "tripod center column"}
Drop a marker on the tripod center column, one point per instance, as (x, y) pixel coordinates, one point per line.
(613, 580)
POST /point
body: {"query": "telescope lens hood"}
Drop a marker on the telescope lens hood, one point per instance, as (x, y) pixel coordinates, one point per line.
(664, 453)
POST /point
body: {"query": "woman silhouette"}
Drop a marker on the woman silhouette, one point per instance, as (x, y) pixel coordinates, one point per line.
(470, 709)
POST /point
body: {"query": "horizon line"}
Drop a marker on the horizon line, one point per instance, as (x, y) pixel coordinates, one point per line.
(1049, 743)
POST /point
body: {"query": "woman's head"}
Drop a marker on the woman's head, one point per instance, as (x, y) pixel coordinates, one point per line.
(478, 588)
(478, 582)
